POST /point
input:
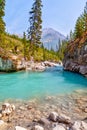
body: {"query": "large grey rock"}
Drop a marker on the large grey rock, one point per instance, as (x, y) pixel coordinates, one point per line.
(79, 125)
(53, 116)
(64, 119)
(59, 127)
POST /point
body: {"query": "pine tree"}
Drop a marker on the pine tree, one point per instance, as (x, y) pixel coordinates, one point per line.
(24, 43)
(79, 27)
(34, 32)
(2, 23)
(2, 13)
(71, 35)
(81, 24)
(85, 17)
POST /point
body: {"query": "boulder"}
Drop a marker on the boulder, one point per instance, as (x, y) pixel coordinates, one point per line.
(19, 128)
(53, 116)
(37, 127)
(79, 125)
(7, 109)
(64, 119)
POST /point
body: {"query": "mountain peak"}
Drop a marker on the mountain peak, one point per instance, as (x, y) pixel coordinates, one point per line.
(50, 38)
(53, 31)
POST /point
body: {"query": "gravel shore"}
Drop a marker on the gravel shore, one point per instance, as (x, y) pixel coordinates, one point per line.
(29, 113)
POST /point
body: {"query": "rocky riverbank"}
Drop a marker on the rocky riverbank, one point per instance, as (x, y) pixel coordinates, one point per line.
(64, 112)
(13, 63)
(73, 66)
(41, 66)
(75, 59)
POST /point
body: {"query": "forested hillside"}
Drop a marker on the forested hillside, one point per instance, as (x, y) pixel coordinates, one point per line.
(28, 45)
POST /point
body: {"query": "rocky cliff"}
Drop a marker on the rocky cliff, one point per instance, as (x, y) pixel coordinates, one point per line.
(76, 56)
(6, 65)
(10, 62)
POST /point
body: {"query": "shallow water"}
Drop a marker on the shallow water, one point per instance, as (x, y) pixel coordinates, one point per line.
(26, 85)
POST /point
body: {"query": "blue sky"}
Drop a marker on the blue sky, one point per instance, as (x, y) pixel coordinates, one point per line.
(60, 15)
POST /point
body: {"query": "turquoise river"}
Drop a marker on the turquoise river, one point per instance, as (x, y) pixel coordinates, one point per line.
(27, 85)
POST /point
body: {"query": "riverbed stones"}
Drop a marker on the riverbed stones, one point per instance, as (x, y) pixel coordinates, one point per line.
(79, 125)
(19, 128)
(28, 118)
(53, 116)
(37, 127)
